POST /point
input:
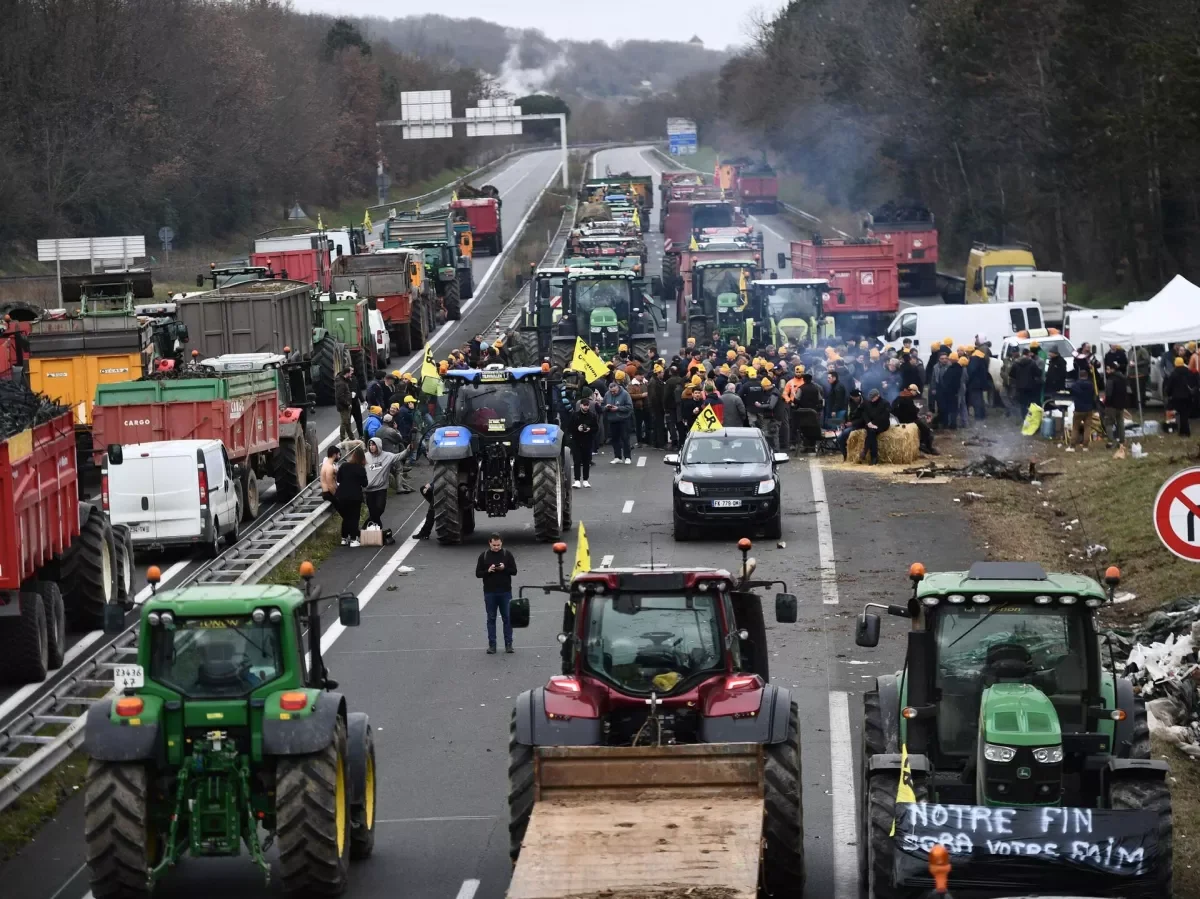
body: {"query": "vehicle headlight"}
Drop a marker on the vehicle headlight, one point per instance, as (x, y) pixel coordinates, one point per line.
(766, 486)
(1049, 755)
(687, 487)
(994, 753)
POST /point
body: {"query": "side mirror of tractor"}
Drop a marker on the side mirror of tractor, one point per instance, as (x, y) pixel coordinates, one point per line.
(866, 630)
(115, 454)
(518, 611)
(782, 260)
(348, 610)
(114, 618)
(785, 608)
(199, 280)
(656, 287)
(544, 289)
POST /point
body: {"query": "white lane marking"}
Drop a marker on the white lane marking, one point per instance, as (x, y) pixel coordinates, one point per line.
(641, 462)
(845, 831)
(596, 163)
(467, 890)
(829, 590)
(84, 642)
(628, 506)
(70, 881)
(606, 562)
(767, 228)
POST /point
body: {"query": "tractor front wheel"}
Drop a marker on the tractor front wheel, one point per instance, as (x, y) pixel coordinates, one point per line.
(548, 511)
(361, 749)
(447, 514)
(312, 811)
(88, 574)
(1154, 796)
(290, 464)
(520, 789)
(880, 812)
(118, 830)
(783, 828)
(325, 358)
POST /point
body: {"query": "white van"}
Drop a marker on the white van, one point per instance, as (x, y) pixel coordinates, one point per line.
(1047, 289)
(996, 321)
(381, 338)
(173, 493)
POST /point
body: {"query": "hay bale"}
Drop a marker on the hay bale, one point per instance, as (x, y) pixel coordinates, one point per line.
(898, 445)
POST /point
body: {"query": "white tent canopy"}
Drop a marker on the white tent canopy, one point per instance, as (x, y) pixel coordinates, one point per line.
(1170, 316)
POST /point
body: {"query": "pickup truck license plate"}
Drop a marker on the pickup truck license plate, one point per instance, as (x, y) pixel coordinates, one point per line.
(139, 529)
(726, 503)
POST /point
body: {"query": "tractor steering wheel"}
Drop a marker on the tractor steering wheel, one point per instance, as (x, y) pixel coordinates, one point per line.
(658, 638)
(1009, 660)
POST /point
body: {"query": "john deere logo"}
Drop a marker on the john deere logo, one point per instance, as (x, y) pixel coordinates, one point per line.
(1024, 773)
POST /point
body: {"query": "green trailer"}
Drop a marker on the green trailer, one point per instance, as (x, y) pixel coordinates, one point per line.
(346, 318)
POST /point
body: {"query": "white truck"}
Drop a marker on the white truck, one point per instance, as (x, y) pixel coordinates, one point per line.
(1047, 289)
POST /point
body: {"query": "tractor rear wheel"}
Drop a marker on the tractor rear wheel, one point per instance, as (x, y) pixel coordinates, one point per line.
(698, 328)
(548, 513)
(118, 830)
(126, 588)
(360, 747)
(325, 358)
(88, 574)
(526, 348)
(520, 789)
(466, 284)
(289, 463)
(880, 811)
(56, 622)
(1155, 796)
(561, 353)
(567, 468)
(783, 825)
(447, 516)
(26, 639)
(312, 811)
(451, 300)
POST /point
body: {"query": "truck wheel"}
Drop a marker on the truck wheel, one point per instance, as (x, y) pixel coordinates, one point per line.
(783, 823)
(447, 515)
(56, 623)
(451, 300)
(498, 243)
(118, 830)
(1155, 796)
(324, 359)
(520, 789)
(250, 501)
(561, 353)
(26, 640)
(880, 811)
(88, 574)
(416, 333)
(231, 536)
(290, 463)
(126, 589)
(360, 749)
(312, 811)
(467, 512)
(548, 514)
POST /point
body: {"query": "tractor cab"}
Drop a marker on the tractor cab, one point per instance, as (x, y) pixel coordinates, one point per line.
(597, 307)
(1007, 702)
(797, 306)
(654, 652)
(721, 302)
(495, 403)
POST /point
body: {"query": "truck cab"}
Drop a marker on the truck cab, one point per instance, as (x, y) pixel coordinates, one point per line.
(985, 262)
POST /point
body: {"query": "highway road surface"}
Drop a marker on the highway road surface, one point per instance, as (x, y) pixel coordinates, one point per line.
(441, 706)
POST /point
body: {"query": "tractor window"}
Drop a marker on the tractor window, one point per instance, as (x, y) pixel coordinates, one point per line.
(497, 407)
(216, 658)
(718, 281)
(979, 645)
(795, 302)
(613, 294)
(653, 643)
(718, 215)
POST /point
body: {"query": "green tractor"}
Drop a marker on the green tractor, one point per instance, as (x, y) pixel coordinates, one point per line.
(446, 267)
(1011, 741)
(225, 736)
(345, 317)
(722, 303)
(606, 309)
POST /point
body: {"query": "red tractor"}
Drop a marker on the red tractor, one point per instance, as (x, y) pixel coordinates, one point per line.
(665, 697)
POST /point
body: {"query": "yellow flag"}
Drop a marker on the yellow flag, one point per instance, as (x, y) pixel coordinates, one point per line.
(418, 209)
(637, 219)
(429, 368)
(706, 421)
(453, 196)
(320, 227)
(367, 226)
(693, 245)
(585, 360)
(904, 793)
(583, 553)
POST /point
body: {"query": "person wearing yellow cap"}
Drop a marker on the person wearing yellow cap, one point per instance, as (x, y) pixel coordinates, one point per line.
(766, 409)
(979, 382)
(731, 355)
(1178, 389)
(695, 381)
(374, 421)
(741, 350)
(945, 385)
(691, 342)
(948, 342)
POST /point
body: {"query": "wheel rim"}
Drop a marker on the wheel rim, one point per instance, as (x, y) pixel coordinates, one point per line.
(127, 569)
(370, 805)
(340, 800)
(301, 463)
(252, 494)
(106, 570)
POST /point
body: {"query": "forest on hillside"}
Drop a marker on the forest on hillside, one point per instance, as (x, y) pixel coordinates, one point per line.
(120, 116)
(1071, 124)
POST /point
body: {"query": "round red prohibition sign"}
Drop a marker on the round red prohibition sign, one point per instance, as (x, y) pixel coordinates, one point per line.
(1177, 514)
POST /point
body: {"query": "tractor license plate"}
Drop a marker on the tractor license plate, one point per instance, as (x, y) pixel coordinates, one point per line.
(726, 503)
(129, 677)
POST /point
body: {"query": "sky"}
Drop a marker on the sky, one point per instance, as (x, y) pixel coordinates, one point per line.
(717, 22)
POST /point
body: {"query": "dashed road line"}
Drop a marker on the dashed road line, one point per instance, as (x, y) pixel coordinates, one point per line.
(628, 506)
(606, 562)
(845, 831)
(467, 890)
(829, 590)
(641, 462)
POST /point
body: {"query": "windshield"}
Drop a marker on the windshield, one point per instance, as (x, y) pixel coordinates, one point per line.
(716, 215)
(599, 293)
(496, 407)
(1042, 646)
(991, 271)
(216, 658)
(724, 450)
(652, 643)
(795, 302)
(717, 281)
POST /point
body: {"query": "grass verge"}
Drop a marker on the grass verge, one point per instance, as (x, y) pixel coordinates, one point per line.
(315, 549)
(21, 821)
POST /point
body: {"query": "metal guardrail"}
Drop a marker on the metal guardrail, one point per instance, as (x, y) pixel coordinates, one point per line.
(65, 705)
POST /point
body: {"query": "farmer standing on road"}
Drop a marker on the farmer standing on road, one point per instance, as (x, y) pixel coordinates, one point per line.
(496, 567)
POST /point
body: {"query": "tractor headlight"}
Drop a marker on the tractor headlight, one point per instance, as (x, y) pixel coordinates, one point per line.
(766, 486)
(1049, 755)
(258, 616)
(152, 619)
(994, 753)
(687, 487)
(167, 619)
(276, 616)
(956, 599)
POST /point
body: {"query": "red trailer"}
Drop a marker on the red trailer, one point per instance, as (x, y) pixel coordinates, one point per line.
(57, 555)
(308, 265)
(911, 231)
(862, 279)
(483, 215)
(758, 191)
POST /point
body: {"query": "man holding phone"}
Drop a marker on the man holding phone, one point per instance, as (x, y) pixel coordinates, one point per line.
(496, 567)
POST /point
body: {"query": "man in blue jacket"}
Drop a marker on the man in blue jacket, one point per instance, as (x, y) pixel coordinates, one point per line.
(618, 414)
(1083, 394)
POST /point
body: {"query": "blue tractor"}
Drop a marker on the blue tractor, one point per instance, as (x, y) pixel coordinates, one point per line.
(501, 451)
